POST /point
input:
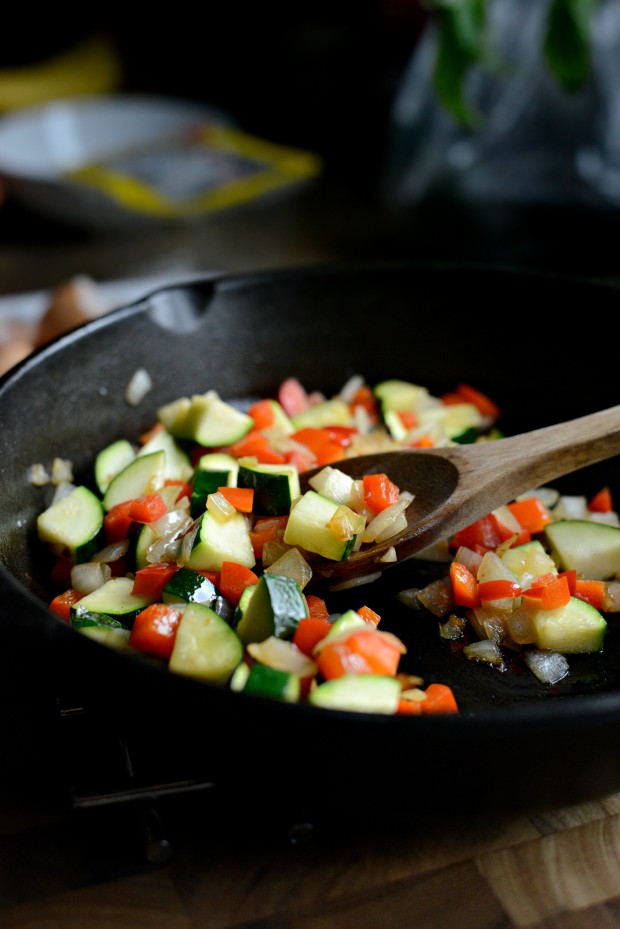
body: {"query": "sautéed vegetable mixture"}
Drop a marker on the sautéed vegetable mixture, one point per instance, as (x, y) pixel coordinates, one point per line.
(193, 547)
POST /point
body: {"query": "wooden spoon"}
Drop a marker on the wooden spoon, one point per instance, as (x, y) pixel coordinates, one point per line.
(455, 486)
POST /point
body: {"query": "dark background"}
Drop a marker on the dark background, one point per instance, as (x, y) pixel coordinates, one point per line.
(321, 76)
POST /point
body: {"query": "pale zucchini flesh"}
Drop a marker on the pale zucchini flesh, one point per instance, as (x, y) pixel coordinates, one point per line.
(591, 548)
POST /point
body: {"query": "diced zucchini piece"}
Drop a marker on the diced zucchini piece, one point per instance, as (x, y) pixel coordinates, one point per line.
(145, 539)
(188, 586)
(205, 419)
(217, 542)
(571, 629)
(215, 469)
(144, 475)
(400, 395)
(528, 561)
(308, 527)
(205, 646)
(327, 413)
(348, 621)
(72, 526)
(359, 693)
(111, 460)
(275, 608)
(242, 606)
(273, 683)
(591, 548)
(275, 486)
(454, 418)
(112, 603)
(178, 466)
(334, 484)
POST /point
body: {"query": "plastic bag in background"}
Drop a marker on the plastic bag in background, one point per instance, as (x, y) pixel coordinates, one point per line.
(534, 143)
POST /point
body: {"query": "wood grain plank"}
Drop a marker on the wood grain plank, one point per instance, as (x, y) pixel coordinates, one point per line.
(566, 871)
(145, 901)
(561, 818)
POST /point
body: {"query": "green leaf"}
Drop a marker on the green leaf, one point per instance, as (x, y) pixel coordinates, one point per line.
(462, 34)
(567, 40)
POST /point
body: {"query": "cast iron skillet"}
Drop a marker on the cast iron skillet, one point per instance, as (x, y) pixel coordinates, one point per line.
(515, 743)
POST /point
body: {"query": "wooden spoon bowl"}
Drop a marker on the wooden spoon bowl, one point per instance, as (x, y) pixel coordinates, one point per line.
(455, 486)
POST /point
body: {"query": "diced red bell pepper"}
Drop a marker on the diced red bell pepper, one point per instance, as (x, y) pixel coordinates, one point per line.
(480, 400)
(266, 530)
(365, 398)
(464, 586)
(317, 607)
(242, 498)
(379, 491)
(234, 578)
(62, 603)
(293, 397)
(147, 509)
(308, 632)
(440, 698)
(593, 592)
(151, 580)
(530, 513)
(155, 628)
(117, 522)
(368, 615)
(482, 536)
(256, 445)
(262, 413)
(363, 652)
(601, 502)
(498, 589)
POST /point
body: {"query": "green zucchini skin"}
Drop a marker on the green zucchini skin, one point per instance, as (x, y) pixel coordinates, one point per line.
(275, 487)
(188, 586)
(275, 608)
(73, 526)
(113, 604)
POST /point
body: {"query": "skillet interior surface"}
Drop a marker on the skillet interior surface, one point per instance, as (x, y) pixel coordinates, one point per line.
(503, 330)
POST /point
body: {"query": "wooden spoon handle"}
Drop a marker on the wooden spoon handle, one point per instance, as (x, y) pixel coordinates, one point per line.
(493, 473)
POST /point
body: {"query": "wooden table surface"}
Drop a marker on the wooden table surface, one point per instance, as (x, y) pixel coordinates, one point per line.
(557, 869)
(60, 869)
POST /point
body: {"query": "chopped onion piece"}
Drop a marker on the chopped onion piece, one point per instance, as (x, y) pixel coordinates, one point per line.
(383, 520)
(172, 523)
(138, 387)
(548, 496)
(547, 665)
(410, 598)
(292, 564)
(453, 628)
(219, 507)
(62, 471)
(273, 551)
(437, 597)
(485, 651)
(346, 523)
(468, 557)
(611, 597)
(571, 507)
(609, 519)
(166, 549)
(112, 552)
(283, 656)
(389, 556)
(38, 476)
(399, 525)
(187, 542)
(351, 387)
(89, 576)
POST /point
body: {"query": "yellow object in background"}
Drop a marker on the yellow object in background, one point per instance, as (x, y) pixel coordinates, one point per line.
(90, 67)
